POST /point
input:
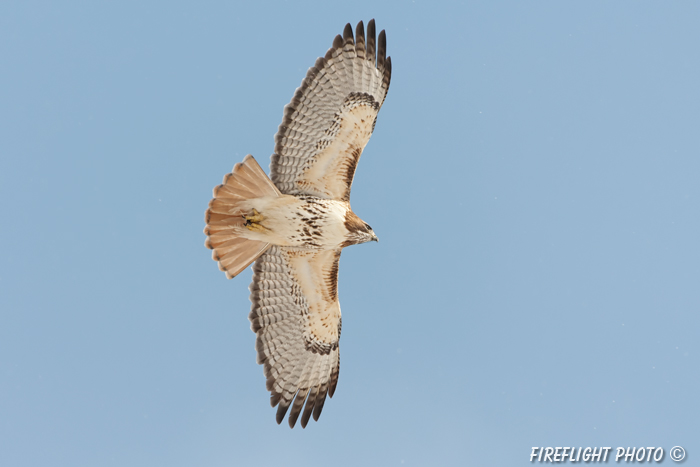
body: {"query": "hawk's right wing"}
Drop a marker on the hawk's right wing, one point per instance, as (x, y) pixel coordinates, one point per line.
(296, 316)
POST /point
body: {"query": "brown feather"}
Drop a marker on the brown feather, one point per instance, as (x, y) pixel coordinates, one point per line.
(296, 407)
(371, 41)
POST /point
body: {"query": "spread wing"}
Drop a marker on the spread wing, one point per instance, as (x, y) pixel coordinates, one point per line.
(331, 117)
(296, 316)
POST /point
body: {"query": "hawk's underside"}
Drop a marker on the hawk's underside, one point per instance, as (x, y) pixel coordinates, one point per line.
(295, 223)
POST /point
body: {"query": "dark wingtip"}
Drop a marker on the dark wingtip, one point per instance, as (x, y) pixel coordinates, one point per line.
(309, 407)
(370, 38)
(337, 42)
(347, 32)
(360, 48)
(320, 400)
(293, 419)
(334, 379)
(381, 49)
(360, 31)
(281, 412)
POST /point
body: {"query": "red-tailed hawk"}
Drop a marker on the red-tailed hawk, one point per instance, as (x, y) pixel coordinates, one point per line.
(295, 223)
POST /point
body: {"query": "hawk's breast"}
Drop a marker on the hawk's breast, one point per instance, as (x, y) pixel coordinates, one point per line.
(306, 222)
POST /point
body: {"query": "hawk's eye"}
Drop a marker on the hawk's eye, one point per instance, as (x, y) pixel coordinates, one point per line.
(368, 227)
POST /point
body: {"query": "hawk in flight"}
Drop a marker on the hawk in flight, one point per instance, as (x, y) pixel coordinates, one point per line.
(295, 223)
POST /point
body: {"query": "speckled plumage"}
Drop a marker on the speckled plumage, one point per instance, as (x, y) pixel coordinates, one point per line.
(295, 224)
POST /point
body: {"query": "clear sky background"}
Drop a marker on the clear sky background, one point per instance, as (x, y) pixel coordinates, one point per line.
(534, 180)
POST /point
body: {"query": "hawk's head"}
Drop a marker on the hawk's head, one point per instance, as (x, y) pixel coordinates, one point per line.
(358, 231)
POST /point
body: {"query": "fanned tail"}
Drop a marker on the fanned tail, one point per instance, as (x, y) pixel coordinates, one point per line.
(225, 220)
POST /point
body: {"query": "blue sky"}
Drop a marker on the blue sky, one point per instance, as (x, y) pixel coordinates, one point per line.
(533, 180)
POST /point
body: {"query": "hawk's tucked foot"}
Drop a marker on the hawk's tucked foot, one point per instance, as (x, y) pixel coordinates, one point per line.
(253, 222)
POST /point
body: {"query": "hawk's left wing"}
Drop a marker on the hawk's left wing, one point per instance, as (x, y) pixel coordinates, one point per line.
(331, 117)
(296, 316)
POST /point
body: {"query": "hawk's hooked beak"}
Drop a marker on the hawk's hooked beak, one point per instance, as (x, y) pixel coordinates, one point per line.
(374, 237)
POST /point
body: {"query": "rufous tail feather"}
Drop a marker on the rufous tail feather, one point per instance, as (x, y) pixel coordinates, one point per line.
(225, 220)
